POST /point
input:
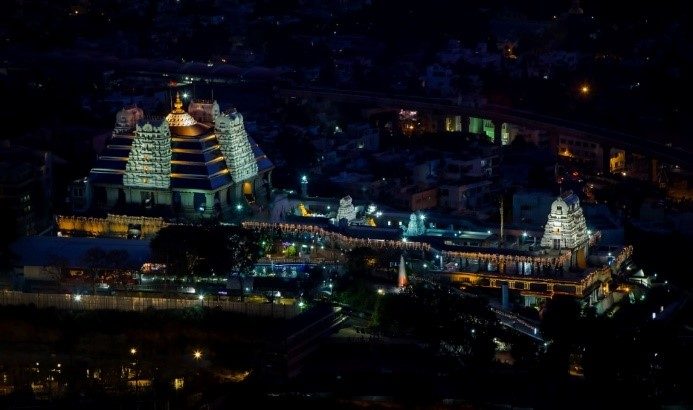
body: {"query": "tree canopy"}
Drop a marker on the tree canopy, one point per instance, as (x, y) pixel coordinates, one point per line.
(206, 250)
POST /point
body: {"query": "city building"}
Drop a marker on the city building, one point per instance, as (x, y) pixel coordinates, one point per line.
(26, 185)
(592, 154)
(465, 195)
(199, 163)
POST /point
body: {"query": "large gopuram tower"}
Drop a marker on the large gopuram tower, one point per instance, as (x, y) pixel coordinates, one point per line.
(195, 163)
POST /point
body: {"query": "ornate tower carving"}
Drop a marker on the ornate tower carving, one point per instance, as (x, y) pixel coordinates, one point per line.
(565, 228)
(149, 163)
(235, 146)
(346, 209)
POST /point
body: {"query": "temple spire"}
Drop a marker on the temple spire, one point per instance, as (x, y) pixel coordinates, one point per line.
(178, 105)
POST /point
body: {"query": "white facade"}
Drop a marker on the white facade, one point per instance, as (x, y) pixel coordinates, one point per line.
(149, 163)
(346, 209)
(235, 146)
(416, 226)
(566, 227)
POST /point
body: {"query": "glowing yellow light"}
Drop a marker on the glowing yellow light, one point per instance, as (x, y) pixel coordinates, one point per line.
(585, 89)
(133, 350)
(197, 354)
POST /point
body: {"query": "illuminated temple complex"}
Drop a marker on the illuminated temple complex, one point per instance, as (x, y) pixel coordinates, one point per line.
(558, 265)
(196, 163)
(564, 260)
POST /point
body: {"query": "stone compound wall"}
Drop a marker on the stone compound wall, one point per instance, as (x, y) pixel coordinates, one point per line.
(111, 226)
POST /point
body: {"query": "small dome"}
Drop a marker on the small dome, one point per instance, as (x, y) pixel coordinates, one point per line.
(178, 117)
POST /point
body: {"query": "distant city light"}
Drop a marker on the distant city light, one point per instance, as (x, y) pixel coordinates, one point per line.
(201, 297)
(78, 298)
(185, 95)
(197, 355)
(524, 234)
(133, 350)
(585, 89)
(304, 179)
(239, 207)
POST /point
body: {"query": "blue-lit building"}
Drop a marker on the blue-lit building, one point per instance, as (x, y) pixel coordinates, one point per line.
(195, 163)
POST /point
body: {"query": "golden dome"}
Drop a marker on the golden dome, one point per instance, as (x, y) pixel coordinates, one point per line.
(178, 117)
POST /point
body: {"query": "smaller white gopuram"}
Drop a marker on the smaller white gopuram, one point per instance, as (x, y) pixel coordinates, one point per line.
(565, 228)
(346, 209)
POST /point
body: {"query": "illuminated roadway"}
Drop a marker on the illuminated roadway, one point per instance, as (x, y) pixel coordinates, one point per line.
(630, 143)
